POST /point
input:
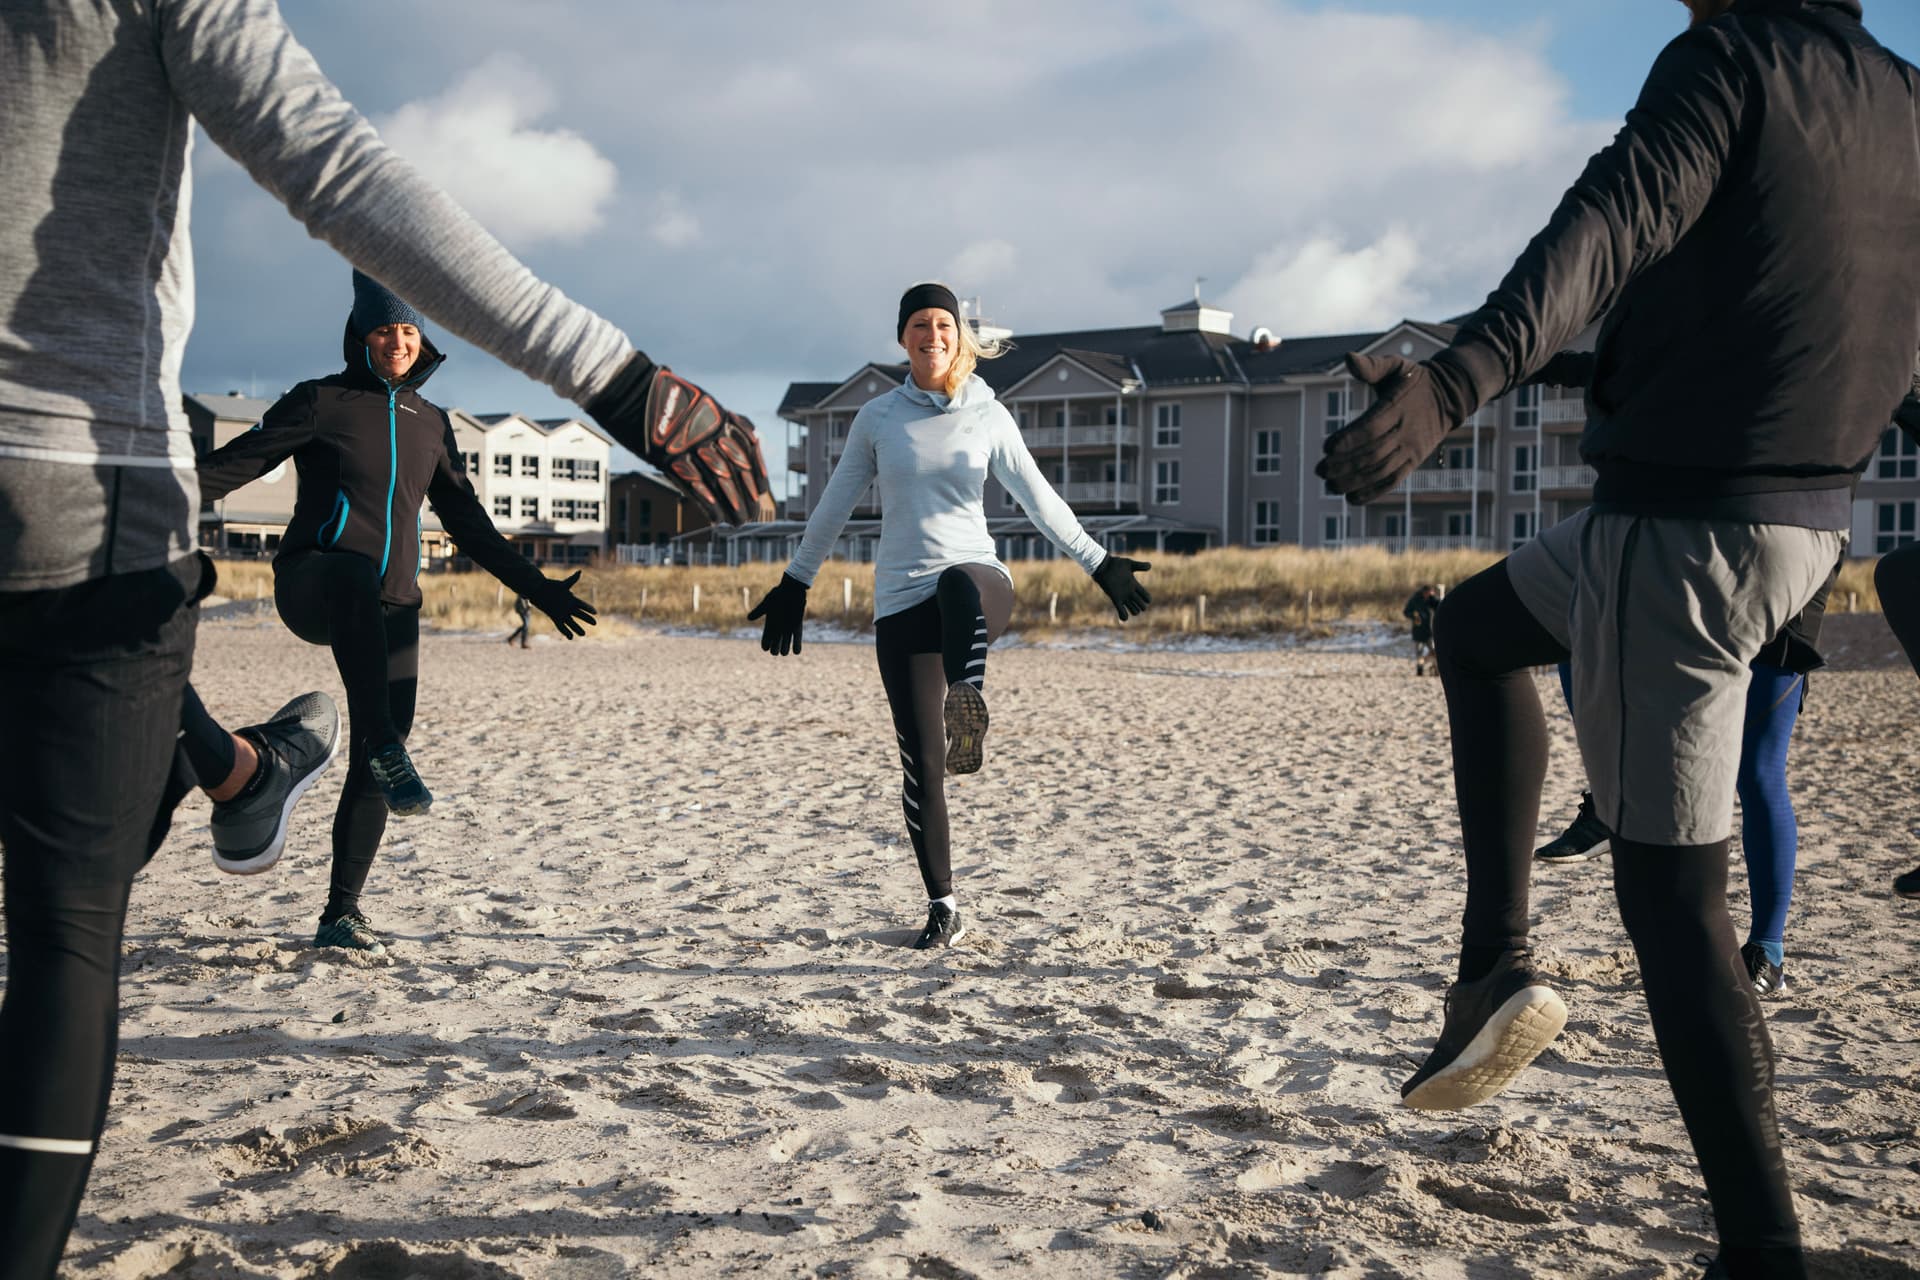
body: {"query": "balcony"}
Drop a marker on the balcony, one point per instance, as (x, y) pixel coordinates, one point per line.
(1563, 413)
(1101, 492)
(1442, 480)
(1577, 476)
(797, 457)
(1057, 439)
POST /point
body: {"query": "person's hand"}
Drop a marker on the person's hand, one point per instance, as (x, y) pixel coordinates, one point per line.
(554, 597)
(711, 455)
(1415, 405)
(1115, 576)
(785, 609)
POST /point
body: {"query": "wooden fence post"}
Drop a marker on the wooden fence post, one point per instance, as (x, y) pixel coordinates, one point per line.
(1053, 607)
(846, 595)
(1203, 613)
(696, 597)
(642, 616)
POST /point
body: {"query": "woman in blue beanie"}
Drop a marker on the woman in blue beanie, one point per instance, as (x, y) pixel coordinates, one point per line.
(367, 449)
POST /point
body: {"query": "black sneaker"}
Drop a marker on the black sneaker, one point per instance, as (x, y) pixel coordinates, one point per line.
(400, 784)
(966, 714)
(1908, 885)
(1769, 979)
(350, 932)
(1586, 837)
(944, 927)
(295, 746)
(1494, 1027)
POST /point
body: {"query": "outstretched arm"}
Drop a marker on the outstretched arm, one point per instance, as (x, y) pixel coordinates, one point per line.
(784, 609)
(282, 432)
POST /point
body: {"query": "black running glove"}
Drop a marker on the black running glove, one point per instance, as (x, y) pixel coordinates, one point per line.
(1567, 369)
(1115, 576)
(711, 455)
(784, 608)
(1415, 405)
(554, 597)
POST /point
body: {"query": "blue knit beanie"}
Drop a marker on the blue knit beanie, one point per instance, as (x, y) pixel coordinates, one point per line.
(374, 305)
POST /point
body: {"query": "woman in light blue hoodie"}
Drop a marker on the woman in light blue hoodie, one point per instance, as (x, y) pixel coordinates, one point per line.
(940, 595)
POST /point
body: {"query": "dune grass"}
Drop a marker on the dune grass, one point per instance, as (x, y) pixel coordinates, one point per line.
(1247, 592)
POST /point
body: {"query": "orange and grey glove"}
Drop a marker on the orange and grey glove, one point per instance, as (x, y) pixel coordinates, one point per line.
(710, 455)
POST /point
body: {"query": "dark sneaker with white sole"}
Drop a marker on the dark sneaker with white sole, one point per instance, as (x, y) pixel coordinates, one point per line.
(1585, 837)
(295, 747)
(1908, 885)
(350, 932)
(400, 784)
(944, 926)
(1769, 979)
(966, 714)
(1494, 1028)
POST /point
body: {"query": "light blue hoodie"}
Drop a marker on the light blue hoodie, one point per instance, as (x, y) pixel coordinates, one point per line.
(929, 457)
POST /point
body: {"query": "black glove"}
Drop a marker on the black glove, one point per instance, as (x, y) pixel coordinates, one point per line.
(1415, 405)
(554, 597)
(711, 455)
(1115, 576)
(1567, 369)
(784, 608)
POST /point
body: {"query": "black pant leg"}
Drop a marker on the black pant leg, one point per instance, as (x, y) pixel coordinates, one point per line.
(907, 647)
(333, 598)
(1713, 1042)
(91, 682)
(1897, 579)
(361, 818)
(1485, 643)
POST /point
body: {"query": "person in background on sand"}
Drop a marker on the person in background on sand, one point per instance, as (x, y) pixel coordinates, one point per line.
(1757, 286)
(367, 450)
(98, 576)
(1769, 831)
(524, 612)
(1420, 609)
(941, 596)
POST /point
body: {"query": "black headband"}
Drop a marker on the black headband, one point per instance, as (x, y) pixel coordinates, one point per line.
(922, 296)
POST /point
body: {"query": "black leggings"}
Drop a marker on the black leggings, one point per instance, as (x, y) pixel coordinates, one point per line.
(332, 598)
(91, 685)
(922, 651)
(1897, 579)
(1673, 900)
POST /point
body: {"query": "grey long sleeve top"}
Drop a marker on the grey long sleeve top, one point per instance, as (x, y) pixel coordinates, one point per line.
(97, 103)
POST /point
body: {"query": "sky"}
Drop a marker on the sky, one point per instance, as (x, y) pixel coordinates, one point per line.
(746, 186)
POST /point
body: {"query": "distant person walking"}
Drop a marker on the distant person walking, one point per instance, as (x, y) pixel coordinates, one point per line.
(367, 450)
(525, 612)
(941, 595)
(1420, 610)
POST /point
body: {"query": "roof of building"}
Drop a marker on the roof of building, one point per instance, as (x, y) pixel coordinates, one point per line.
(1149, 354)
(232, 407)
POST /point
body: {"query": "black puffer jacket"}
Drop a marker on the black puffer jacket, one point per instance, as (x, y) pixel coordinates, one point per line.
(1750, 237)
(366, 456)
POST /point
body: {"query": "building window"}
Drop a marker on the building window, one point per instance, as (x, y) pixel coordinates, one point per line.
(503, 464)
(1893, 525)
(1266, 523)
(646, 513)
(471, 461)
(503, 507)
(560, 508)
(1336, 529)
(1166, 481)
(1166, 426)
(1457, 525)
(1006, 499)
(576, 469)
(1026, 418)
(1459, 457)
(1526, 408)
(1336, 418)
(1524, 529)
(529, 508)
(589, 508)
(530, 465)
(620, 512)
(1266, 452)
(1526, 468)
(1059, 419)
(1126, 471)
(1118, 416)
(1390, 524)
(1899, 456)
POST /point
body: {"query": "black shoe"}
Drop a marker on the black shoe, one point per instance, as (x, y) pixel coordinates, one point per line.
(944, 928)
(1769, 979)
(295, 747)
(966, 715)
(1586, 837)
(1494, 1027)
(400, 784)
(1908, 885)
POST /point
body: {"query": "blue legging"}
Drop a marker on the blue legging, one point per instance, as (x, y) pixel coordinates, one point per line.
(1769, 833)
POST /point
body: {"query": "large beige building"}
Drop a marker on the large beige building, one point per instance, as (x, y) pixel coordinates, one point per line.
(544, 482)
(1182, 435)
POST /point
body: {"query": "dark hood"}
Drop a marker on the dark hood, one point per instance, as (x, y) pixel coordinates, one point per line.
(359, 372)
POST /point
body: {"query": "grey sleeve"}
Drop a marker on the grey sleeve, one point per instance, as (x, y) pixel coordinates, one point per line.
(261, 97)
(850, 478)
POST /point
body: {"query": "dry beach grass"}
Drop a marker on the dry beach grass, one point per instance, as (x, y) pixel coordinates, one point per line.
(647, 1012)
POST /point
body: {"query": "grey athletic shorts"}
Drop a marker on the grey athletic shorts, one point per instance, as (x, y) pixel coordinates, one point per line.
(1662, 617)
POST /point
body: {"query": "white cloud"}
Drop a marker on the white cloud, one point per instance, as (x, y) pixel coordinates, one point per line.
(982, 262)
(475, 140)
(1320, 286)
(673, 225)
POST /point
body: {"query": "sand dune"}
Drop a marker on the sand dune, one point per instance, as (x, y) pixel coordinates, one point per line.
(647, 1012)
